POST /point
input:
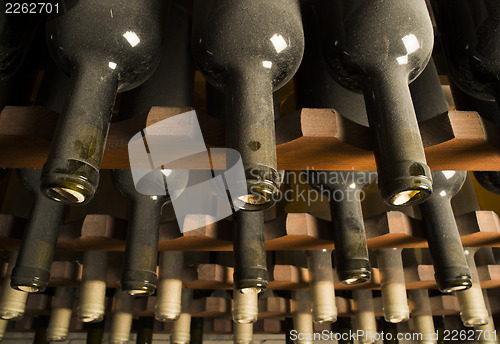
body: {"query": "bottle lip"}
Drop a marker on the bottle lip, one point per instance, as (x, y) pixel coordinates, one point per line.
(145, 284)
(262, 189)
(73, 185)
(459, 283)
(356, 277)
(29, 279)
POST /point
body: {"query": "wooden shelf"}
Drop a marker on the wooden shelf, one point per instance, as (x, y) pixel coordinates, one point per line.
(294, 231)
(307, 139)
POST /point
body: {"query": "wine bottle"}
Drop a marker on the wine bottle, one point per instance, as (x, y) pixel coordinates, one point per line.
(470, 41)
(421, 312)
(12, 301)
(145, 330)
(141, 252)
(314, 86)
(60, 315)
(473, 310)
(123, 307)
(91, 305)
(181, 330)
(107, 46)
(248, 61)
(95, 333)
(365, 315)
(343, 326)
(379, 47)
(245, 305)
(422, 315)
(302, 317)
(392, 285)
(250, 268)
(168, 304)
(242, 333)
(344, 190)
(16, 38)
(32, 271)
(490, 180)
(485, 256)
(3, 328)
(450, 265)
(172, 82)
(319, 263)
(41, 330)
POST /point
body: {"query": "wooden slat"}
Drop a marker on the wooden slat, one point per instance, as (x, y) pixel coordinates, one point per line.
(294, 231)
(319, 138)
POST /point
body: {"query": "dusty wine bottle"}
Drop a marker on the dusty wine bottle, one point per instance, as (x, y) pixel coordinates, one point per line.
(141, 252)
(145, 330)
(169, 293)
(245, 305)
(91, 305)
(450, 265)
(123, 307)
(302, 317)
(469, 32)
(353, 32)
(421, 311)
(32, 271)
(248, 61)
(365, 315)
(392, 285)
(250, 269)
(242, 333)
(344, 191)
(172, 82)
(107, 46)
(181, 333)
(473, 310)
(12, 301)
(60, 315)
(319, 263)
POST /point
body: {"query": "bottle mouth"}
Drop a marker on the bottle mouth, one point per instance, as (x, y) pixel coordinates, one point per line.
(30, 289)
(139, 283)
(357, 278)
(166, 317)
(90, 318)
(11, 315)
(76, 183)
(245, 318)
(66, 195)
(405, 183)
(408, 197)
(354, 271)
(250, 280)
(459, 283)
(476, 321)
(29, 279)
(262, 189)
(396, 318)
(320, 319)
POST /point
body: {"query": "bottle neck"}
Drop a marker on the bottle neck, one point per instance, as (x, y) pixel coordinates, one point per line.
(404, 177)
(71, 173)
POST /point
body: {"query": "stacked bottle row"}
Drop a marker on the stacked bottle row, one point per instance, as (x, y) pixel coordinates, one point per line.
(90, 303)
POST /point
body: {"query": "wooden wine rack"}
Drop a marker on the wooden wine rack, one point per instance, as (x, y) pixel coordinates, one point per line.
(310, 138)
